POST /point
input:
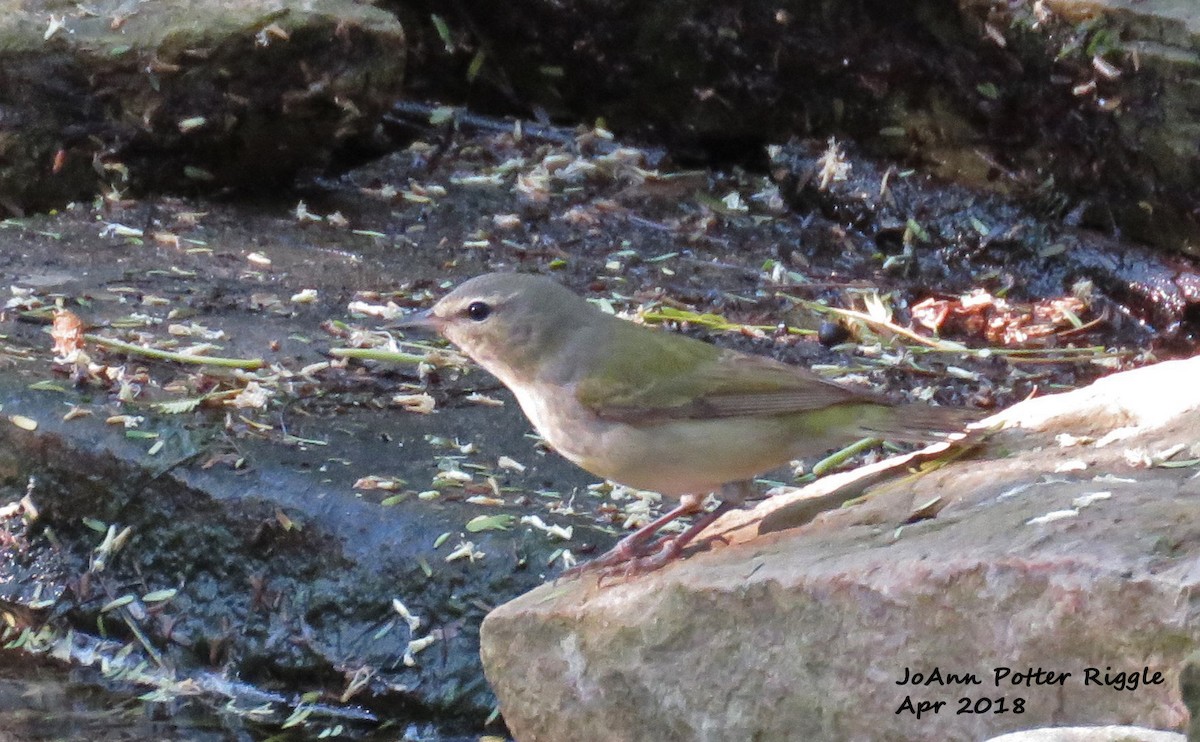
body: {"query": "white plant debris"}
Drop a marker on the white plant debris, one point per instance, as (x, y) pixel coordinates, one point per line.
(1090, 497)
(54, 26)
(23, 298)
(1145, 458)
(358, 681)
(506, 222)
(267, 33)
(483, 399)
(833, 165)
(451, 477)
(1052, 516)
(558, 532)
(486, 500)
(303, 215)
(734, 202)
(413, 621)
(313, 369)
(373, 482)
(485, 181)
(1160, 457)
(465, 550)
(129, 421)
(113, 542)
(389, 311)
(568, 559)
(415, 647)
(504, 462)
(115, 229)
(23, 422)
(254, 396)
(1066, 440)
(640, 508)
(421, 403)
(194, 330)
(77, 412)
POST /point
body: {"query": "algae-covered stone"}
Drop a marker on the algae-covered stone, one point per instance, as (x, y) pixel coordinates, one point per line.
(185, 95)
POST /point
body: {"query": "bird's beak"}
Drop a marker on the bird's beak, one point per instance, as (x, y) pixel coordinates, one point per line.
(425, 320)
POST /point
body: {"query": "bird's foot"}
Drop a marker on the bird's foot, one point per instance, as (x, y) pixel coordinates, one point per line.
(629, 549)
(638, 553)
(638, 544)
(669, 549)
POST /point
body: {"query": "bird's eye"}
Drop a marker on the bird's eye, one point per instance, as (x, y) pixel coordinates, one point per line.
(478, 311)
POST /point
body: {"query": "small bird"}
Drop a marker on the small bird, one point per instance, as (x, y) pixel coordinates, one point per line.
(656, 410)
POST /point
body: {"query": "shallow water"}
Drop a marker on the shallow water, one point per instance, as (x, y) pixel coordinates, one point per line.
(43, 701)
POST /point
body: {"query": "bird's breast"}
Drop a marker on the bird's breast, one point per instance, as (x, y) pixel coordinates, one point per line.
(569, 427)
(669, 459)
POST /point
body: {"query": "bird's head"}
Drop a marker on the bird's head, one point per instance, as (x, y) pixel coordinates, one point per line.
(509, 323)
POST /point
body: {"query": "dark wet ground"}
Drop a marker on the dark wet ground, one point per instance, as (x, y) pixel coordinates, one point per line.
(610, 221)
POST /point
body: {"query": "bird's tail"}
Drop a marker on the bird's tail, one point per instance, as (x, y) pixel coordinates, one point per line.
(920, 423)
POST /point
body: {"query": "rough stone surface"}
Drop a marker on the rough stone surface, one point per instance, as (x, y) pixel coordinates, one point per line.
(1095, 95)
(1087, 98)
(183, 95)
(1045, 554)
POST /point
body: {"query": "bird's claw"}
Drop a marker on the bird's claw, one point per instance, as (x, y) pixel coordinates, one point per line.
(627, 551)
(639, 552)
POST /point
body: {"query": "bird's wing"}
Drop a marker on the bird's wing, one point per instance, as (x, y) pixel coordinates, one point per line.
(685, 382)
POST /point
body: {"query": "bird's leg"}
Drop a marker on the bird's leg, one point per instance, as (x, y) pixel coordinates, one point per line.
(634, 545)
(641, 555)
(672, 546)
(731, 495)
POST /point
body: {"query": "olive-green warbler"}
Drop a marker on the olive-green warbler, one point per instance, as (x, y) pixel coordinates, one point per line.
(657, 410)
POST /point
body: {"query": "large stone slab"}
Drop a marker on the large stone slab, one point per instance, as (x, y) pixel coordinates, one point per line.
(1057, 585)
(1094, 98)
(185, 95)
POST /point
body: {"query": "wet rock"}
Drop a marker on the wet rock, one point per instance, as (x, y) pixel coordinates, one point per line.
(1093, 97)
(1056, 585)
(928, 238)
(277, 569)
(186, 96)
